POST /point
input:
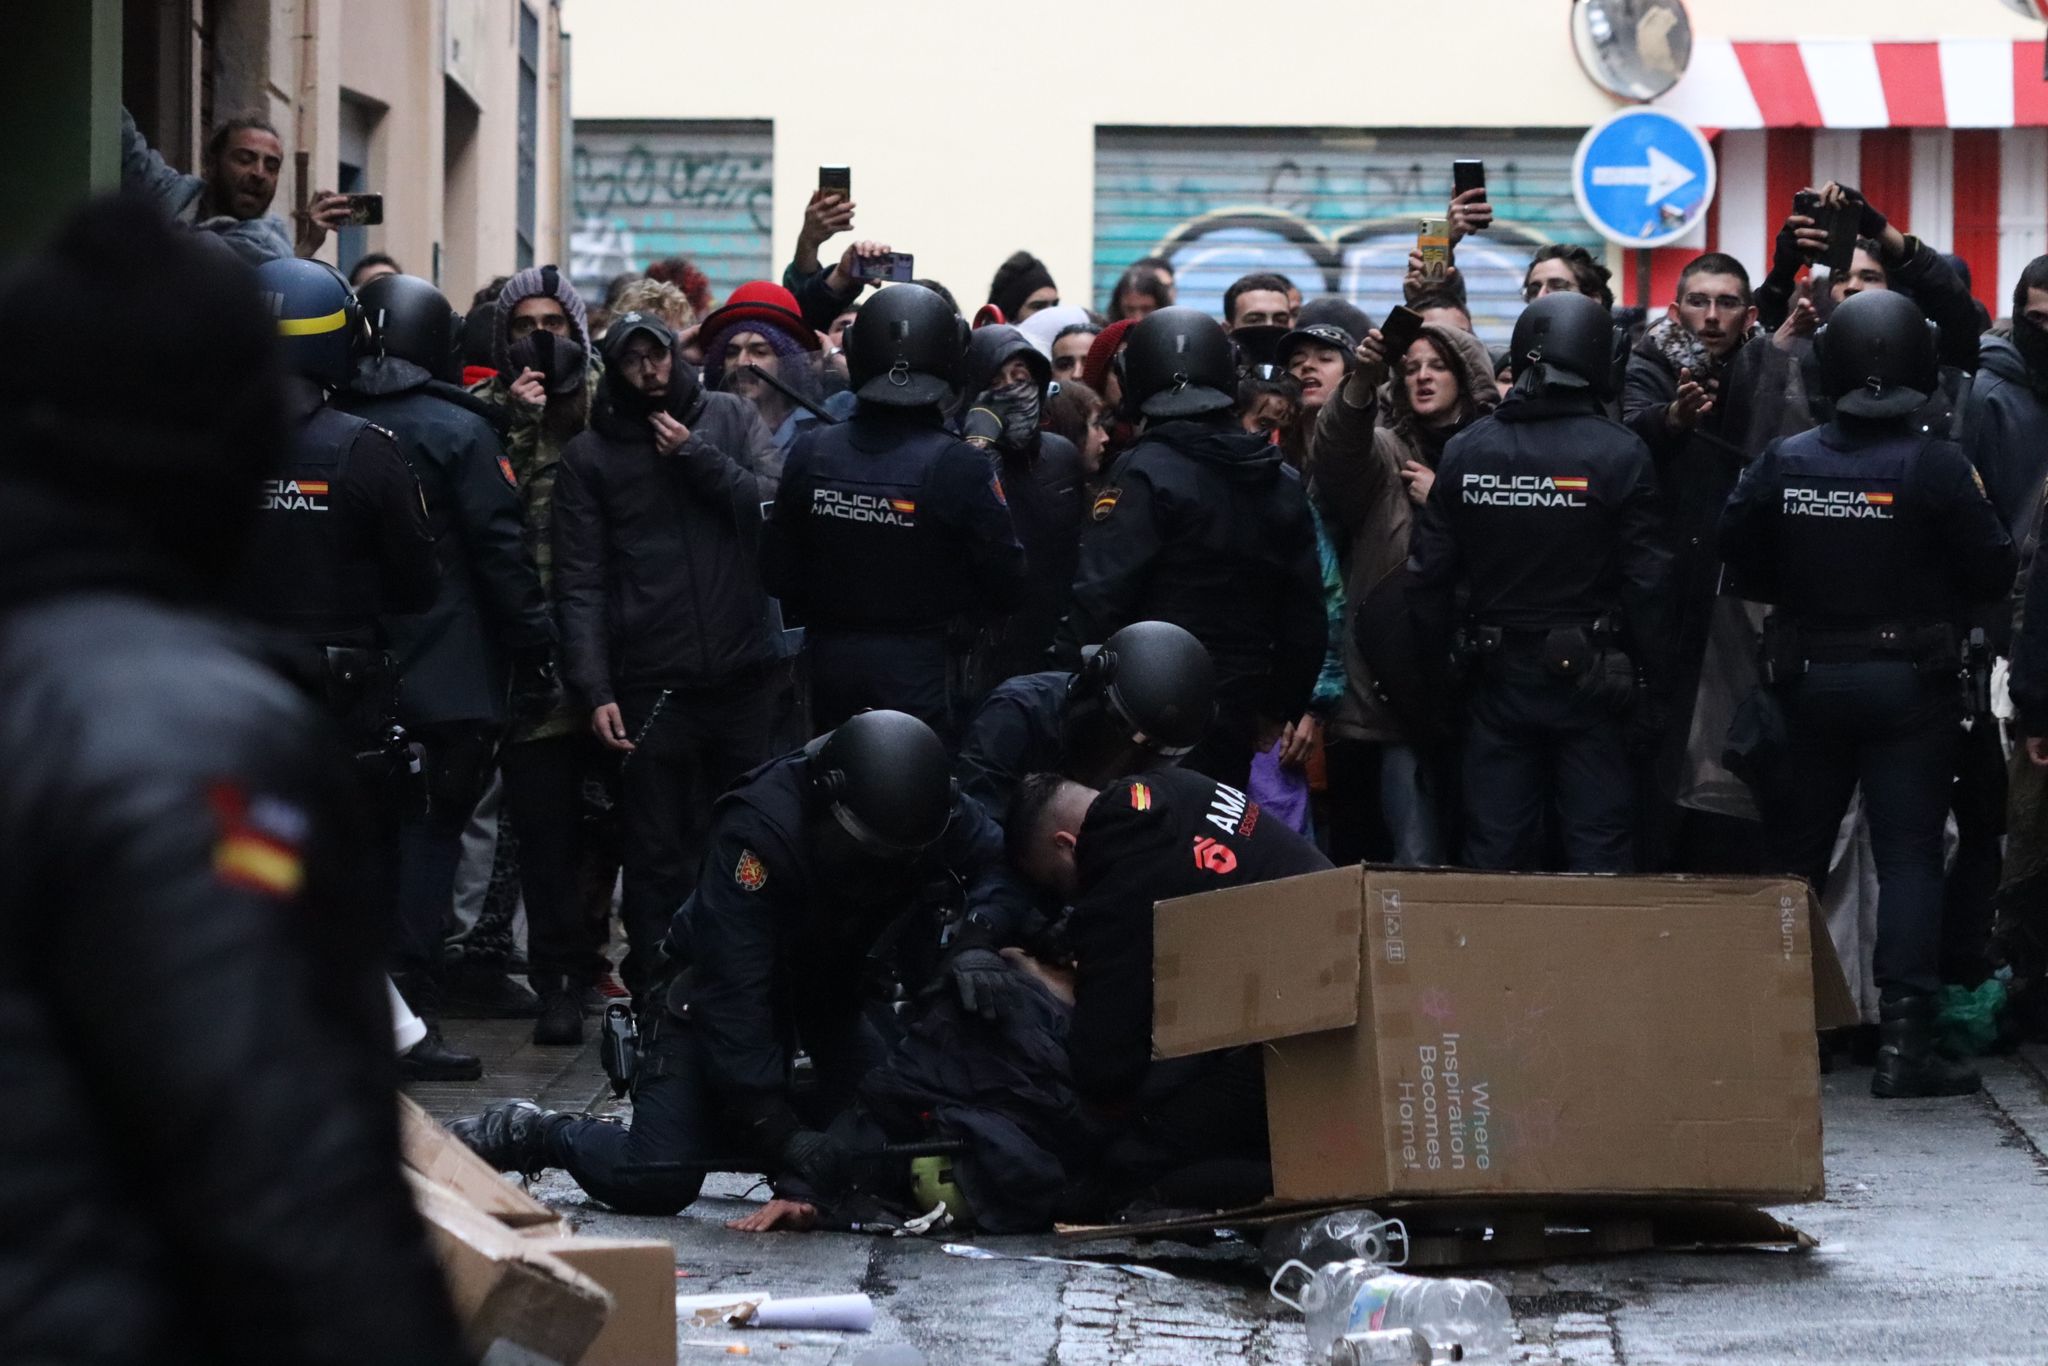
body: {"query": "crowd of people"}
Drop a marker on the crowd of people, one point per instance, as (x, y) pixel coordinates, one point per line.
(882, 661)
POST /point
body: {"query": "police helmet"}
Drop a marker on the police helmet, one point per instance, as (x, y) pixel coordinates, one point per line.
(317, 316)
(1179, 363)
(411, 320)
(1878, 356)
(885, 779)
(1154, 682)
(1567, 340)
(904, 349)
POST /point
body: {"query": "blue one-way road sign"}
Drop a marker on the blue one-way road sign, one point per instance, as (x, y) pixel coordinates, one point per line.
(1643, 178)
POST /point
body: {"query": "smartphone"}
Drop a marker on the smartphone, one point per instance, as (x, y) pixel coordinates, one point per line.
(1467, 175)
(1840, 224)
(1399, 332)
(836, 180)
(1434, 242)
(896, 268)
(365, 210)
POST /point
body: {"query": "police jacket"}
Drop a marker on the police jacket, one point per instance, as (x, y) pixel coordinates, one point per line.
(1855, 526)
(889, 524)
(774, 944)
(454, 658)
(200, 1162)
(657, 579)
(1014, 733)
(1048, 496)
(1545, 514)
(2005, 433)
(1204, 526)
(343, 537)
(1147, 839)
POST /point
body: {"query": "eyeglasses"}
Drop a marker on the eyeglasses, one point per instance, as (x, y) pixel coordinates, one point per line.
(1718, 303)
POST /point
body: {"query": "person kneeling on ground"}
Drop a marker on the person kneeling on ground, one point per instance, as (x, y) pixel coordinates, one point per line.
(1193, 1130)
(813, 860)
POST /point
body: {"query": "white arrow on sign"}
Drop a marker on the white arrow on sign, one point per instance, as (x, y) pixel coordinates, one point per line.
(1659, 176)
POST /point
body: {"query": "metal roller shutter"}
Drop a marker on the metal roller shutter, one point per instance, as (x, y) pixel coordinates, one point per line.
(648, 189)
(1333, 210)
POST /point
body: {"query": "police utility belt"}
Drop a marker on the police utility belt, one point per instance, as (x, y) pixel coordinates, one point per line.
(1791, 647)
(1564, 651)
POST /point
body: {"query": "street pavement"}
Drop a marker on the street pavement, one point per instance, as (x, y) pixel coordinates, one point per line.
(1934, 1249)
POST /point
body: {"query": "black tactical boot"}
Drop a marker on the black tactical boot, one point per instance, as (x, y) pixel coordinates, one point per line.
(561, 1012)
(1908, 1064)
(511, 1135)
(431, 1059)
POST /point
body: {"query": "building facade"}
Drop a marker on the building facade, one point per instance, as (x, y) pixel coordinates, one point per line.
(455, 111)
(1309, 142)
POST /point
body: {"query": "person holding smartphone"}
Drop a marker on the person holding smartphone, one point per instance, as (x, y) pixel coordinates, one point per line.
(1370, 467)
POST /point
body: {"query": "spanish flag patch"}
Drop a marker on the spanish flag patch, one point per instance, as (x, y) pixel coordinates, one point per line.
(257, 849)
(1568, 485)
(1879, 500)
(1141, 797)
(1105, 503)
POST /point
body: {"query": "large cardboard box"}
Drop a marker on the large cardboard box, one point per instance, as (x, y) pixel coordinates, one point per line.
(440, 1157)
(640, 1276)
(1435, 1034)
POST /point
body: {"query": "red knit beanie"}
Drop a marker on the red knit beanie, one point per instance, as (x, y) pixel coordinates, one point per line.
(1095, 368)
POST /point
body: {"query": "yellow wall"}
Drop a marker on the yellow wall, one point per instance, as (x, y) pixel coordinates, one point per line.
(970, 126)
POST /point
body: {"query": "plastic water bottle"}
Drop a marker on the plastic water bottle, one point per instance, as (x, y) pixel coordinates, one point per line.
(1399, 1346)
(1335, 1237)
(1358, 1296)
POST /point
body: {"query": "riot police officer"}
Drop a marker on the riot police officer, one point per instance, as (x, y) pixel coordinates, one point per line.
(485, 647)
(1873, 538)
(341, 542)
(1143, 700)
(891, 538)
(811, 858)
(1544, 516)
(1204, 526)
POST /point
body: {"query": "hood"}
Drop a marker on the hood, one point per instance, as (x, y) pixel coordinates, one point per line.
(620, 411)
(1474, 366)
(989, 349)
(1047, 323)
(2001, 356)
(1246, 457)
(528, 283)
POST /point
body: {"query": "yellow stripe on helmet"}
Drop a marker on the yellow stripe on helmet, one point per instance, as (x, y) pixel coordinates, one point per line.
(312, 327)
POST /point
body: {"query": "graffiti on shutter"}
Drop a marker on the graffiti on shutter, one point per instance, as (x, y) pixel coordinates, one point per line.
(650, 189)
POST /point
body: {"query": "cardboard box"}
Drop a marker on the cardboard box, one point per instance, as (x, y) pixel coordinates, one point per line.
(440, 1157)
(640, 1276)
(509, 1292)
(1437, 1034)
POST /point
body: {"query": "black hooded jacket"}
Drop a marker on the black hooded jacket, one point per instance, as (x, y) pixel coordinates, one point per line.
(179, 829)
(657, 576)
(1045, 483)
(454, 658)
(1205, 526)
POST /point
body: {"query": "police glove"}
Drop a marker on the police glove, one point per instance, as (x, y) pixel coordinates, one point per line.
(536, 686)
(820, 1161)
(982, 981)
(984, 425)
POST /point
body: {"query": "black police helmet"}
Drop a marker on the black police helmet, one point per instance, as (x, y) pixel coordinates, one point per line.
(1179, 363)
(1878, 356)
(884, 777)
(904, 349)
(1568, 340)
(411, 320)
(1157, 681)
(317, 316)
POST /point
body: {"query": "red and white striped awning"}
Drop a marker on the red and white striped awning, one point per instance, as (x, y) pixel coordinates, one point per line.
(1856, 83)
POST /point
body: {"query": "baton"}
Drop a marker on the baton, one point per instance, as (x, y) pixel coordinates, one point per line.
(792, 395)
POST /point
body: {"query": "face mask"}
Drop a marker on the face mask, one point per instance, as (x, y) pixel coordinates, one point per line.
(563, 363)
(1019, 406)
(2032, 340)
